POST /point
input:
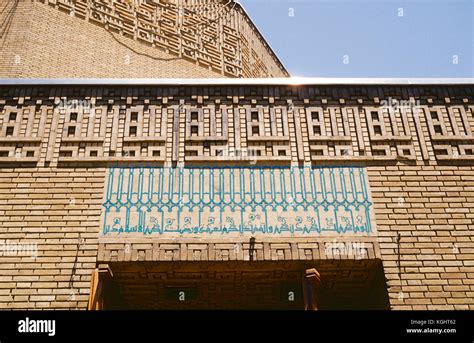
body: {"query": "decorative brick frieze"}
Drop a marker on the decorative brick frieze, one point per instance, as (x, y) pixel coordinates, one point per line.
(422, 197)
(188, 125)
(277, 249)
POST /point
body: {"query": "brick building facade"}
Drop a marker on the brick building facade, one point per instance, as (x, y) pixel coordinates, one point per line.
(221, 193)
(132, 39)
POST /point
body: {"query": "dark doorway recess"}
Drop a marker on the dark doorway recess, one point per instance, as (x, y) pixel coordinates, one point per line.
(249, 285)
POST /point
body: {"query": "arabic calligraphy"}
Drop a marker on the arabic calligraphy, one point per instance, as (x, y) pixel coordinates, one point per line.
(267, 201)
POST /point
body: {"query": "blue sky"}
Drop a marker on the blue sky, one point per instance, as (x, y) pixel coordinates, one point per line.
(372, 36)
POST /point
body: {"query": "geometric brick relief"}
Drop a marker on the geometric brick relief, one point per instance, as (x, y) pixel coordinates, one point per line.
(83, 132)
(226, 126)
(267, 135)
(206, 133)
(450, 132)
(21, 131)
(353, 133)
(136, 133)
(389, 133)
(328, 133)
(231, 202)
(216, 35)
(144, 133)
(126, 248)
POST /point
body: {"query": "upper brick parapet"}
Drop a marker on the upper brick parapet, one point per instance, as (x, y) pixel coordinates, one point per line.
(229, 124)
(217, 35)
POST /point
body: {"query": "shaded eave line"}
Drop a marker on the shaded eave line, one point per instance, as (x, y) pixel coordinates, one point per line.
(238, 82)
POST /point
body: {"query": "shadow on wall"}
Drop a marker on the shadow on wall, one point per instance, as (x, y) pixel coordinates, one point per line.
(7, 12)
(232, 285)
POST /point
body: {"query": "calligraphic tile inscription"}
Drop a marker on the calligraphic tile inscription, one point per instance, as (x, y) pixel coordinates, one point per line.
(235, 201)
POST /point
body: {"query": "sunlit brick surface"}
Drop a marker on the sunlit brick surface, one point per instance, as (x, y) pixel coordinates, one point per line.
(418, 166)
(92, 39)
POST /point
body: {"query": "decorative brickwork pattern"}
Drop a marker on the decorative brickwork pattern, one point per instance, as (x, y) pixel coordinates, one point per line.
(119, 38)
(237, 249)
(306, 125)
(54, 154)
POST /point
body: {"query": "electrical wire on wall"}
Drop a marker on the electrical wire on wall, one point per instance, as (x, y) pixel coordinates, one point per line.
(200, 10)
(220, 14)
(112, 34)
(224, 10)
(6, 16)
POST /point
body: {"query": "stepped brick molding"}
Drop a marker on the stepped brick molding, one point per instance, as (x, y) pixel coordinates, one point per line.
(279, 125)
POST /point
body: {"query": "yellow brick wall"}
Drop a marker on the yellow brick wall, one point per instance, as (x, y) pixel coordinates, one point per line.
(58, 39)
(59, 210)
(428, 198)
(43, 42)
(432, 208)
